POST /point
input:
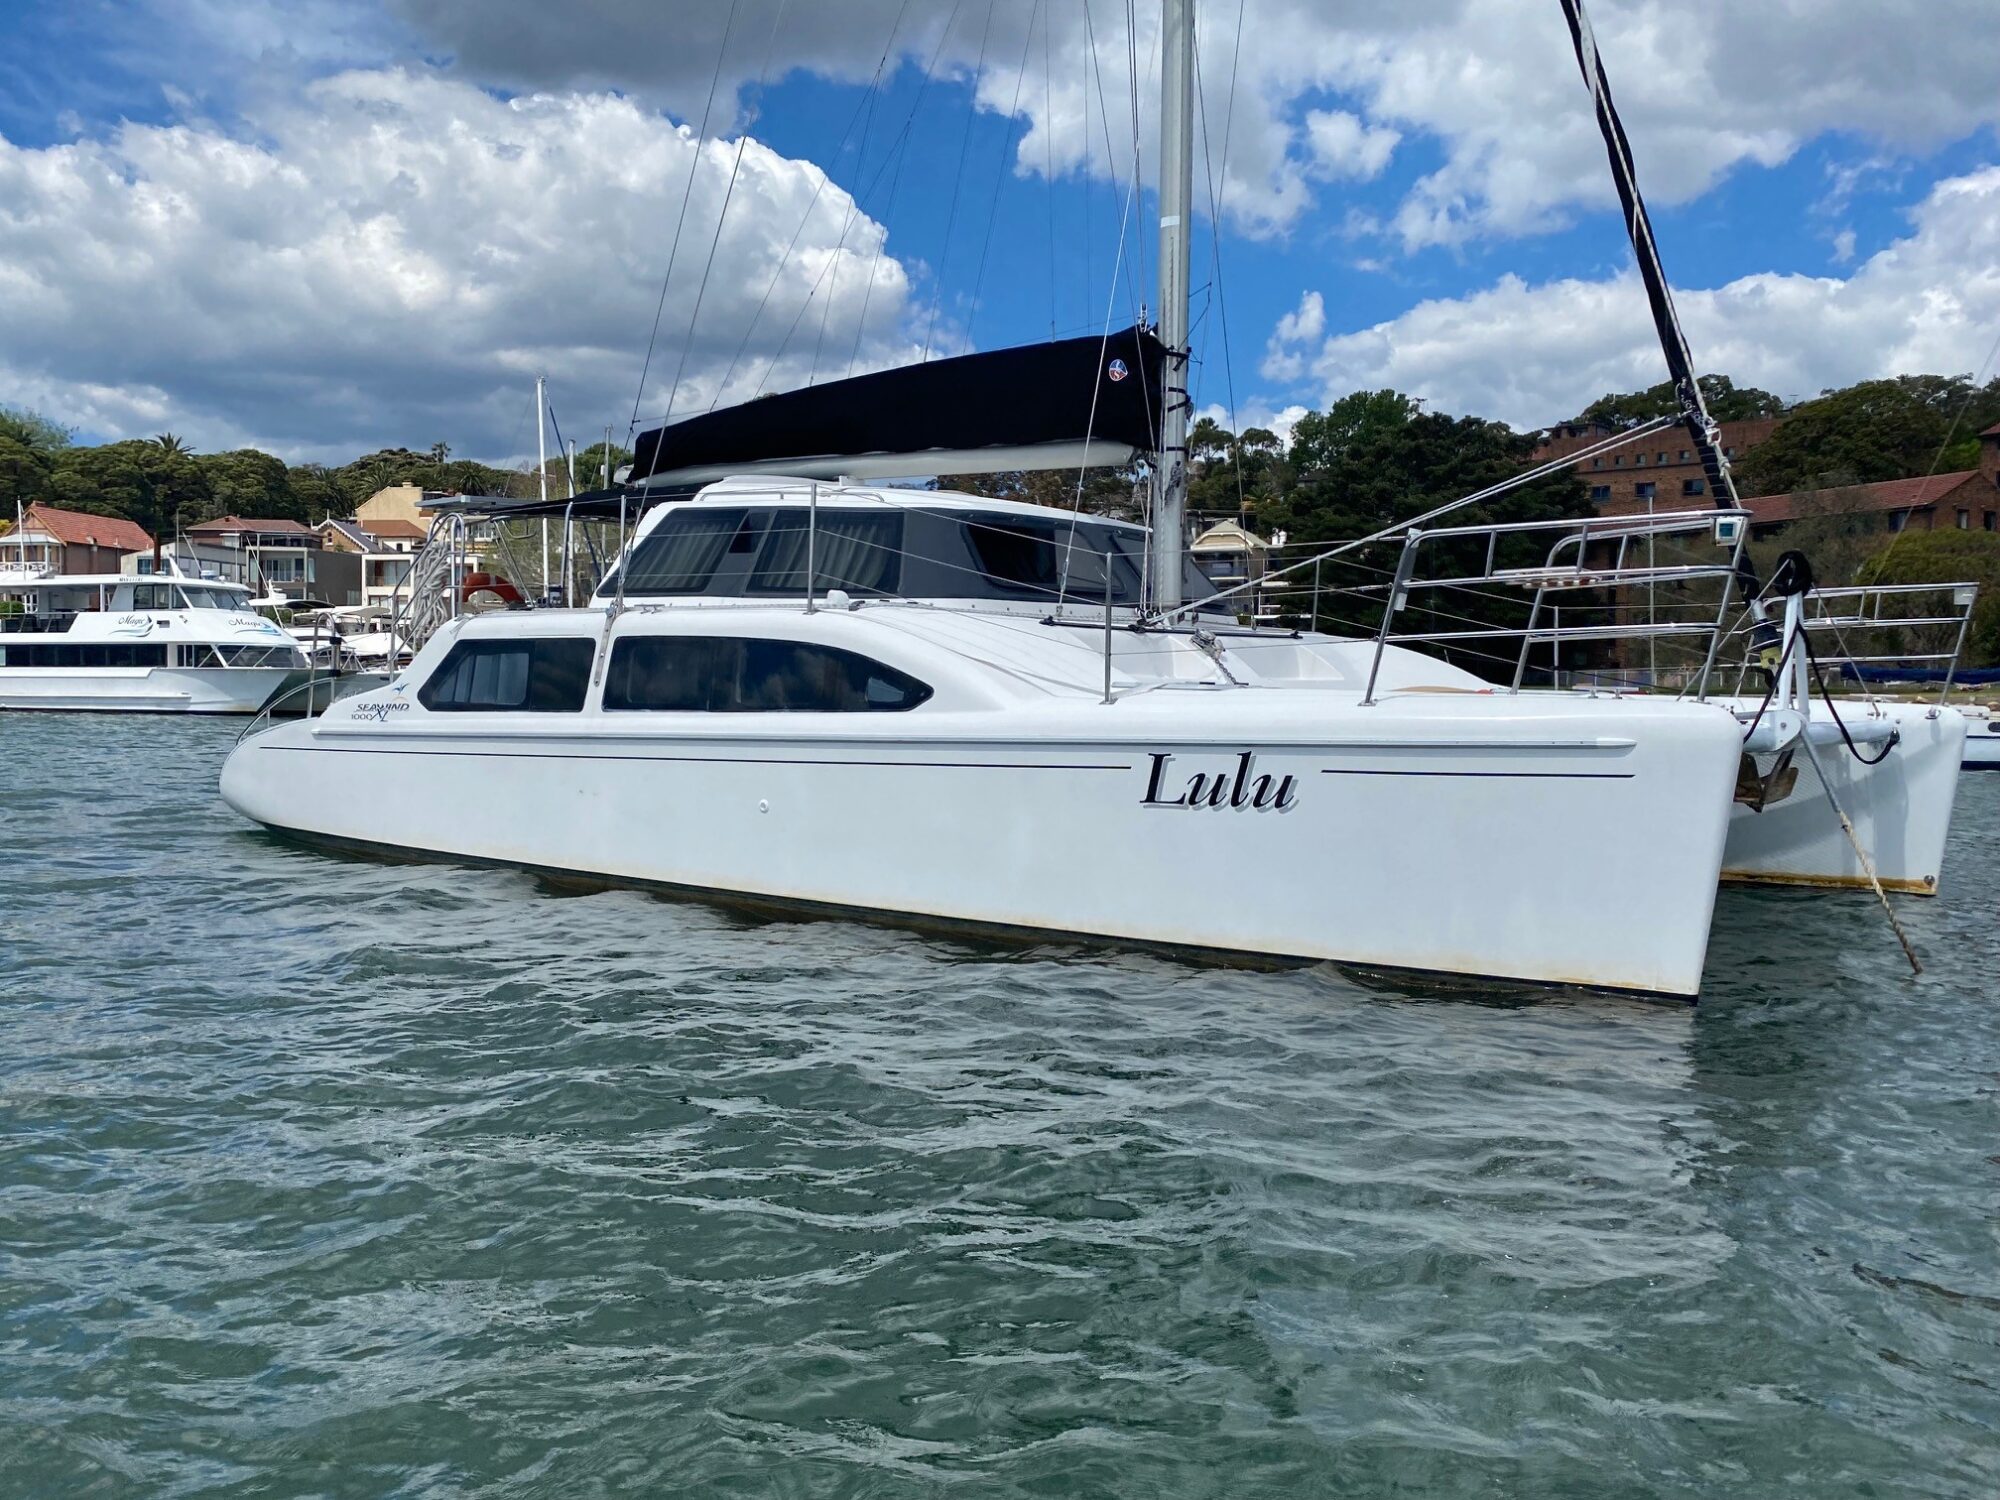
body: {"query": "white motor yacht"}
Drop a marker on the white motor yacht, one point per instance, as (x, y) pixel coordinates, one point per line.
(165, 644)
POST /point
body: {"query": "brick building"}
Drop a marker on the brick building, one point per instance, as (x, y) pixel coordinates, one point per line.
(1660, 469)
(1967, 500)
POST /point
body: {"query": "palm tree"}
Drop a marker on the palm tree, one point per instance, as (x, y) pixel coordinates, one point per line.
(172, 445)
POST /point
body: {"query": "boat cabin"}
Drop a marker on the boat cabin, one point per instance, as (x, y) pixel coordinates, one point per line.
(754, 540)
(52, 604)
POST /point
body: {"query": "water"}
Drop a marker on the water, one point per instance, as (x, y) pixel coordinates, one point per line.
(328, 1177)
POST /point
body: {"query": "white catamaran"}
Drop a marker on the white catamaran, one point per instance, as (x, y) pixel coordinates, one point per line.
(802, 690)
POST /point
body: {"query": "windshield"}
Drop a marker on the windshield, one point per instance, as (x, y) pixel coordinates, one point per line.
(750, 551)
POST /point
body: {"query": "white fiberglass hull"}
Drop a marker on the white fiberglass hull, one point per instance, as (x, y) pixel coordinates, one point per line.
(177, 690)
(1410, 835)
(1982, 742)
(1900, 807)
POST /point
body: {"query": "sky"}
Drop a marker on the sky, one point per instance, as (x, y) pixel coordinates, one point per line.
(322, 227)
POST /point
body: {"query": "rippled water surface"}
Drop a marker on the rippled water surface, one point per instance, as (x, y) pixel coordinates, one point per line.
(321, 1176)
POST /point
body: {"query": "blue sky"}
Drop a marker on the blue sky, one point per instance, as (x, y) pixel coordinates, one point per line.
(321, 227)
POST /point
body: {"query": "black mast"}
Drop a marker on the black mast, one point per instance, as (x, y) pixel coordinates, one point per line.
(1701, 427)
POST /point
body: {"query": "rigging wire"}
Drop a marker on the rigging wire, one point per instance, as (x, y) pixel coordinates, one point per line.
(867, 107)
(1215, 235)
(1049, 155)
(1000, 174)
(957, 182)
(722, 217)
(893, 157)
(687, 192)
(896, 155)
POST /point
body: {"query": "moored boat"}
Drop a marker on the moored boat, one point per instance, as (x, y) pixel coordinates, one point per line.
(116, 643)
(942, 724)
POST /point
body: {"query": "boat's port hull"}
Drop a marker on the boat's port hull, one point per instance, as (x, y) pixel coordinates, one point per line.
(1900, 808)
(1405, 856)
(157, 690)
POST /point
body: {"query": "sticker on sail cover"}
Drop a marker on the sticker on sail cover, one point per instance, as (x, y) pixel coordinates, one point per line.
(1117, 371)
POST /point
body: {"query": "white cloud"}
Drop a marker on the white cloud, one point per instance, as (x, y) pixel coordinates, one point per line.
(1531, 355)
(392, 256)
(1289, 346)
(1704, 85)
(1344, 146)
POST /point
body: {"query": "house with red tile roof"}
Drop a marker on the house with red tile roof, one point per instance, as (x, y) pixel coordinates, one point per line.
(1968, 499)
(52, 540)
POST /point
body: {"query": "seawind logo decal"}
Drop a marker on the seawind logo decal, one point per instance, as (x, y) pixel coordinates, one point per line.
(1240, 787)
(379, 712)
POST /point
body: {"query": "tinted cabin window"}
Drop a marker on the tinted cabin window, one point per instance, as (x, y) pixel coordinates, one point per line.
(729, 675)
(857, 552)
(679, 555)
(1051, 559)
(536, 677)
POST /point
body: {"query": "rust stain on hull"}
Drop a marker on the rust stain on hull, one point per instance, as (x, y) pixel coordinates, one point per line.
(1828, 882)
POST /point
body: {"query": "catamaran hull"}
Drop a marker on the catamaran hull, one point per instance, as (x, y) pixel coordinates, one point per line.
(1443, 856)
(1900, 809)
(157, 690)
(1982, 743)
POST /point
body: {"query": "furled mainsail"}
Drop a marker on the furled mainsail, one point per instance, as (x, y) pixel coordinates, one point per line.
(1093, 400)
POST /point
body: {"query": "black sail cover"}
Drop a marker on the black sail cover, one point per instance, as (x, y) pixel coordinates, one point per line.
(969, 414)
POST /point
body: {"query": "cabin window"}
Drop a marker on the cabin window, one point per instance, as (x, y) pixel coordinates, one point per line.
(154, 596)
(679, 555)
(258, 656)
(1050, 559)
(545, 676)
(111, 654)
(728, 674)
(856, 551)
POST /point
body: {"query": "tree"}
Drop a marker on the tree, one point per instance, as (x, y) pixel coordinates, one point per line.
(249, 482)
(24, 475)
(1234, 476)
(1374, 459)
(1100, 492)
(33, 430)
(139, 479)
(590, 464)
(1726, 402)
(1879, 429)
(171, 445)
(1949, 556)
